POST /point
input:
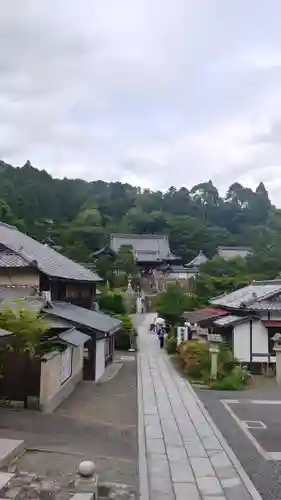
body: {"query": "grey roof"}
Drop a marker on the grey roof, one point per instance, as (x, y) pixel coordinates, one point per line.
(43, 257)
(146, 247)
(230, 320)
(80, 316)
(238, 248)
(267, 305)
(9, 258)
(198, 260)
(74, 337)
(249, 295)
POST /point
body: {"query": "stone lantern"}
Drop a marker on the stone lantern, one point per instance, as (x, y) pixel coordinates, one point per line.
(277, 349)
(215, 340)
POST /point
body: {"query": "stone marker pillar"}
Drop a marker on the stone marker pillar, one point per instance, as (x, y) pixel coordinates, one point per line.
(87, 479)
(277, 348)
(214, 350)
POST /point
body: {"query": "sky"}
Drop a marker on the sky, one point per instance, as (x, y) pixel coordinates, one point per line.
(155, 93)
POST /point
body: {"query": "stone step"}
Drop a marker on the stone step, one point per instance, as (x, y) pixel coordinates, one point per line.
(10, 449)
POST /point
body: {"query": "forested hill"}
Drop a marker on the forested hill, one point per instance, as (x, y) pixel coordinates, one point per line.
(77, 216)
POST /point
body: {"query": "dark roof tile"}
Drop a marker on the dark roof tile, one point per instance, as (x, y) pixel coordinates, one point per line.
(45, 258)
(80, 316)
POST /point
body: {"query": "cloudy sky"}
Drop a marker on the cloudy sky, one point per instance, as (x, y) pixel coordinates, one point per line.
(153, 92)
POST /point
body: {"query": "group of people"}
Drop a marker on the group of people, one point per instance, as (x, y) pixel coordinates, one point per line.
(160, 328)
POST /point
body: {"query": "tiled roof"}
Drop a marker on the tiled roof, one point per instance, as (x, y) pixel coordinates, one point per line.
(239, 249)
(9, 258)
(146, 247)
(205, 314)
(267, 305)
(85, 317)
(43, 257)
(229, 320)
(249, 295)
(198, 260)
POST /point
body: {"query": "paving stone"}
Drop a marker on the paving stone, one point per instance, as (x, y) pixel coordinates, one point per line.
(155, 495)
(152, 420)
(225, 472)
(202, 467)
(181, 472)
(210, 486)
(185, 491)
(155, 446)
(153, 432)
(158, 465)
(238, 492)
(219, 458)
(177, 453)
(161, 484)
(195, 450)
(211, 443)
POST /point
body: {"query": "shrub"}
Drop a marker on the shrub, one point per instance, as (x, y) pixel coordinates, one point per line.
(112, 303)
(171, 345)
(234, 381)
(123, 337)
(195, 359)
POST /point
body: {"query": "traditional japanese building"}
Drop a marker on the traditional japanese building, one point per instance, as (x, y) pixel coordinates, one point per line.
(151, 251)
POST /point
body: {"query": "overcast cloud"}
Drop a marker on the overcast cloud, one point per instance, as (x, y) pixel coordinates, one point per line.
(153, 92)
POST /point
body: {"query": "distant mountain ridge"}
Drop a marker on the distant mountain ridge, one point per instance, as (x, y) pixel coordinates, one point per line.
(78, 216)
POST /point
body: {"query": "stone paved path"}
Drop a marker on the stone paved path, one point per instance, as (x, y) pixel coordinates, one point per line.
(182, 455)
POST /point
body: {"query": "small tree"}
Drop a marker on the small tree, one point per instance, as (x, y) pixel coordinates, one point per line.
(28, 327)
(171, 304)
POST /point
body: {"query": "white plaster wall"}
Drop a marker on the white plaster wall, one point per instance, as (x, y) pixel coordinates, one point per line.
(11, 277)
(241, 342)
(259, 338)
(100, 358)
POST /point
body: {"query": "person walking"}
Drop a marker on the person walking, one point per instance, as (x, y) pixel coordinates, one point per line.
(161, 336)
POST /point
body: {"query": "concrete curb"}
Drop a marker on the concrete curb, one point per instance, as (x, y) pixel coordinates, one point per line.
(143, 471)
(232, 457)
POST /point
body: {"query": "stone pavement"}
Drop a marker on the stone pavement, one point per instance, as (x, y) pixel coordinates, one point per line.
(182, 455)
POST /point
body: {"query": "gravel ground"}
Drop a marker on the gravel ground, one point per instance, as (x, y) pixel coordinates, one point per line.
(266, 475)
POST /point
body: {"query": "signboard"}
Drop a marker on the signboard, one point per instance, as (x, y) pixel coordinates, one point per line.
(66, 365)
(214, 337)
(182, 334)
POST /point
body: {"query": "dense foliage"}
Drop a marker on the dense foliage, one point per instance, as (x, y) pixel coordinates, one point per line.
(76, 216)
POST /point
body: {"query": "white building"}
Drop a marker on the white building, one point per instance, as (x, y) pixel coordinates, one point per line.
(229, 253)
(254, 317)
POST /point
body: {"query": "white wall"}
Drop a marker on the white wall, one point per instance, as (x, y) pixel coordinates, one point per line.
(100, 358)
(241, 342)
(259, 341)
(242, 345)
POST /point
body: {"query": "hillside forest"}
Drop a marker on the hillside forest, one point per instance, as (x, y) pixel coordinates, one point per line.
(76, 217)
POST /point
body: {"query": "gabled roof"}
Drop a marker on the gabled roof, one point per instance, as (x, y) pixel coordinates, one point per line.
(79, 316)
(198, 260)
(41, 256)
(230, 320)
(146, 247)
(249, 296)
(207, 313)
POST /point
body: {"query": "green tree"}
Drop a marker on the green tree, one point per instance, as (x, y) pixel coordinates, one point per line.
(171, 304)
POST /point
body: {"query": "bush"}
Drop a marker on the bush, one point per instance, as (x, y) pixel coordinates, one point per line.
(171, 345)
(234, 381)
(124, 336)
(195, 359)
(112, 303)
